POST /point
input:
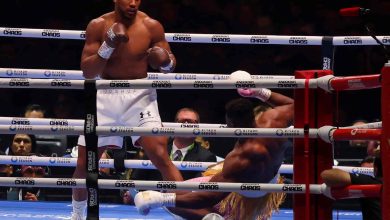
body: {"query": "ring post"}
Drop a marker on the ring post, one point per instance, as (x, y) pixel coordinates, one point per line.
(385, 141)
(319, 158)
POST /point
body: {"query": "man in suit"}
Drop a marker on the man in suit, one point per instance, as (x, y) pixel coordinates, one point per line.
(179, 149)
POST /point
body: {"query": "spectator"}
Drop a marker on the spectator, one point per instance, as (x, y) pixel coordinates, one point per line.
(34, 111)
(5, 171)
(22, 145)
(371, 207)
(180, 149)
(31, 193)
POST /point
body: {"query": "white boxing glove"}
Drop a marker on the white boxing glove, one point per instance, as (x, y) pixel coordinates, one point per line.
(260, 93)
(146, 200)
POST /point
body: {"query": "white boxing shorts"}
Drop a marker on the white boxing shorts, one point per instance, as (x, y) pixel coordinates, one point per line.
(125, 107)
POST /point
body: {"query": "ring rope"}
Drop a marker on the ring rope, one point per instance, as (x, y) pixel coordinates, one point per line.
(326, 133)
(207, 38)
(326, 83)
(158, 185)
(76, 122)
(355, 191)
(78, 74)
(146, 164)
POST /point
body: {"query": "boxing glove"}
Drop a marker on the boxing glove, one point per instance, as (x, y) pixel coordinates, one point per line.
(260, 93)
(146, 200)
(115, 35)
(158, 58)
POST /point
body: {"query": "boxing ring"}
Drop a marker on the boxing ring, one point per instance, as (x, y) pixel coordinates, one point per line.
(312, 131)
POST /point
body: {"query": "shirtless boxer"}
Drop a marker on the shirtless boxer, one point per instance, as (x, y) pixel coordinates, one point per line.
(253, 160)
(120, 45)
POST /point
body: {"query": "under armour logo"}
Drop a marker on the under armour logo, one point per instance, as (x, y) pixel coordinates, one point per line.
(148, 113)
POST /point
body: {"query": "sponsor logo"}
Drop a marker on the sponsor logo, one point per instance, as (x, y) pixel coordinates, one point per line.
(353, 40)
(104, 161)
(20, 121)
(287, 84)
(155, 130)
(293, 188)
(259, 40)
(204, 131)
(24, 159)
(251, 187)
(13, 72)
(386, 40)
(51, 33)
(90, 124)
(92, 196)
(355, 83)
(161, 84)
(166, 185)
(287, 132)
(13, 31)
(185, 76)
(124, 184)
(178, 76)
(220, 39)
(239, 132)
(196, 131)
(61, 128)
(113, 129)
(20, 128)
(61, 83)
(145, 163)
(245, 84)
(153, 76)
(223, 126)
(203, 84)
(298, 40)
(119, 83)
(354, 131)
(186, 125)
(28, 182)
(82, 35)
(59, 122)
(182, 37)
(208, 186)
(146, 113)
(66, 182)
(360, 170)
(19, 82)
(165, 131)
(186, 164)
(326, 63)
(122, 129)
(59, 160)
(91, 160)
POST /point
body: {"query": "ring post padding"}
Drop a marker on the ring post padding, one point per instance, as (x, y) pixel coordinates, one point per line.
(385, 141)
(91, 142)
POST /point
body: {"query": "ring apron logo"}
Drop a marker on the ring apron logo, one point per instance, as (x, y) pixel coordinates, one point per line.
(182, 37)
